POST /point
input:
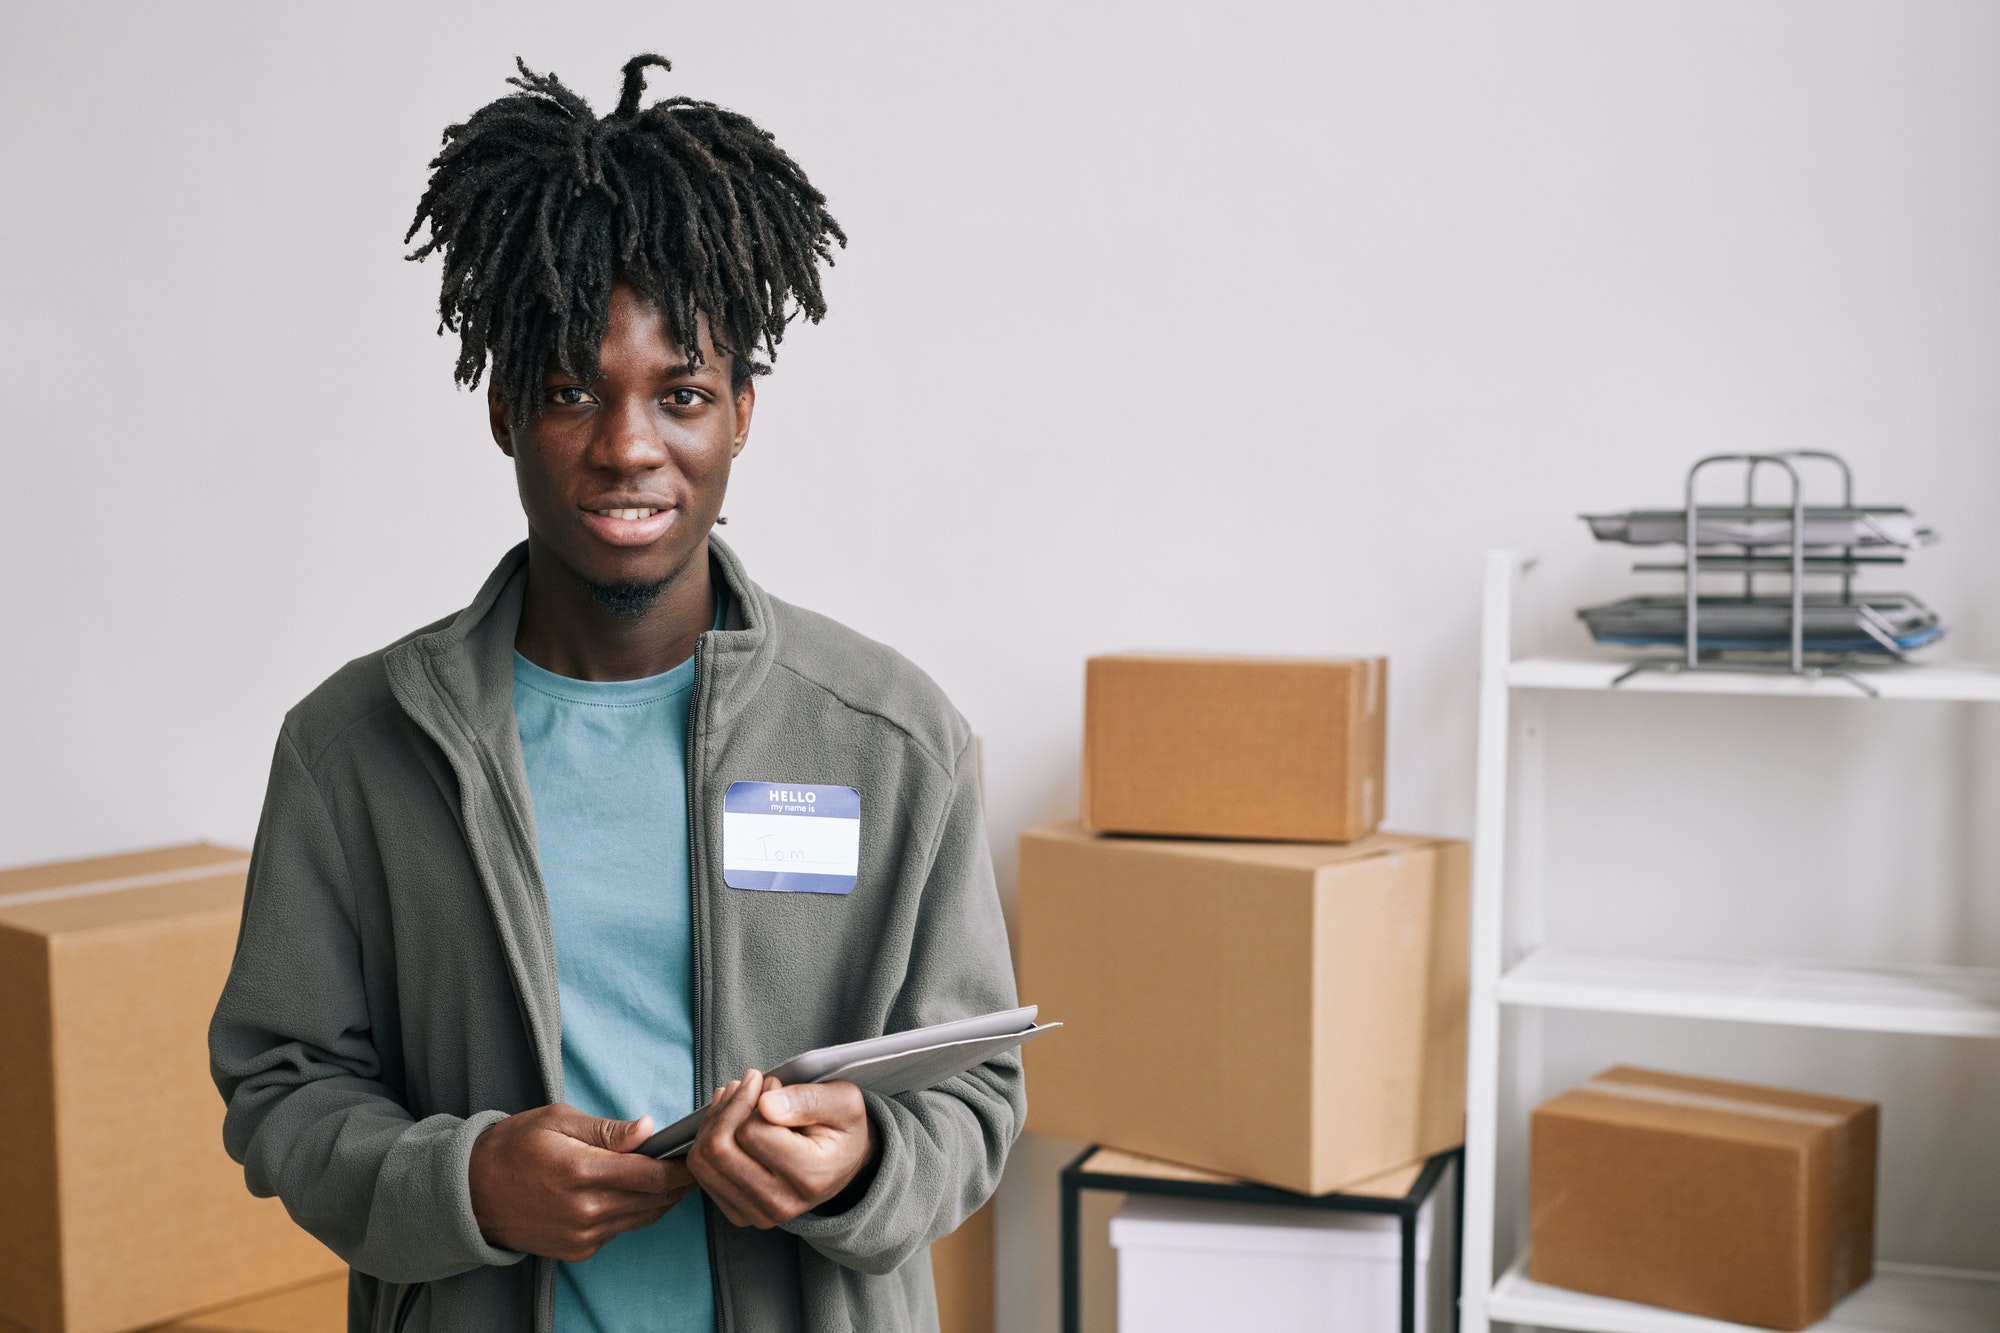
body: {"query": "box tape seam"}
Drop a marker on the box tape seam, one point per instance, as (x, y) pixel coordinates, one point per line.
(208, 871)
(1703, 1101)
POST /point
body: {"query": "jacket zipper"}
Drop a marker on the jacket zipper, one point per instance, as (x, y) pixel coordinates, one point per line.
(698, 949)
(697, 908)
(544, 1278)
(405, 1303)
(524, 848)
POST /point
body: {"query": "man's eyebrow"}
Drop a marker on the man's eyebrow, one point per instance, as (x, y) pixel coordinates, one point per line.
(675, 371)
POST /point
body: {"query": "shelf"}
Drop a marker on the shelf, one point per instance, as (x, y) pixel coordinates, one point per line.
(1902, 1299)
(1891, 680)
(1934, 1001)
(1913, 1000)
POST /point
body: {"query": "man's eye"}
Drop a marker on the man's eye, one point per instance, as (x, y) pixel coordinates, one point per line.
(568, 395)
(684, 397)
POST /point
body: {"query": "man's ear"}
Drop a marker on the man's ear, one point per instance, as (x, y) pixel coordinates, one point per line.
(746, 403)
(497, 416)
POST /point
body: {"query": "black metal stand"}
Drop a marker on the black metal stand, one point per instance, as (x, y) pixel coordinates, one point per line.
(1078, 1177)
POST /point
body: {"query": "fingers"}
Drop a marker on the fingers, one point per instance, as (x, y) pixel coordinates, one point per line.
(555, 1181)
(609, 1135)
(605, 1163)
(735, 1105)
(836, 1104)
(798, 1149)
(813, 1163)
(613, 1162)
(626, 1135)
(627, 1173)
(601, 1218)
(792, 1158)
(747, 1193)
(617, 1212)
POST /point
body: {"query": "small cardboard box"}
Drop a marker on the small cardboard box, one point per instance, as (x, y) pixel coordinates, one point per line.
(1283, 1012)
(121, 1209)
(1231, 747)
(1727, 1200)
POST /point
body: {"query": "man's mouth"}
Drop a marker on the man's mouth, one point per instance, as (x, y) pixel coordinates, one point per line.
(629, 525)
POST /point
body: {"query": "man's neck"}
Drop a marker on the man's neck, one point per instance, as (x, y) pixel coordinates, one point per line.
(565, 630)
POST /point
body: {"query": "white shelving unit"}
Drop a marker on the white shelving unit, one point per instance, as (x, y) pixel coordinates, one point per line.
(1514, 969)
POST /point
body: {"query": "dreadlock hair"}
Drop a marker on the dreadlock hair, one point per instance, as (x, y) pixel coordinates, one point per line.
(540, 206)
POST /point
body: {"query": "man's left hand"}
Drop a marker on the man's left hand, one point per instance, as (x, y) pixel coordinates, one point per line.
(767, 1153)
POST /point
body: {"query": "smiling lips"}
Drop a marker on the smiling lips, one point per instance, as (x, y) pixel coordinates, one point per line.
(633, 525)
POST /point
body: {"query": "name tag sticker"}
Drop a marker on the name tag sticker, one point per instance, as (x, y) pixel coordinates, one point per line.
(787, 837)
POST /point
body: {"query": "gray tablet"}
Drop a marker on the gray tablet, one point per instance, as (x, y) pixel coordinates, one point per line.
(897, 1062)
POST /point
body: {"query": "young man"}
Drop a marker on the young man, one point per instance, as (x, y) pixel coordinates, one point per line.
(492, 937)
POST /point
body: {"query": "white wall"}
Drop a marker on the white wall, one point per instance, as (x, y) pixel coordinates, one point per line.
(1200, 327)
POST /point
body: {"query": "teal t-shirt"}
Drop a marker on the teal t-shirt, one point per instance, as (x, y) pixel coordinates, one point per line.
(607, 772)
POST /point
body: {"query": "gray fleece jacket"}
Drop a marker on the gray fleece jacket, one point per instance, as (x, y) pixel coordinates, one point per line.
(394, 989)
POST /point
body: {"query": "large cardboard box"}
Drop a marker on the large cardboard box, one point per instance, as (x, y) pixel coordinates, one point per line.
(962, 1264)
(1231, 747)
(1736, 1202)
(316, 1307)
(962, 1271)
(121, 1208)
(1283, 1012)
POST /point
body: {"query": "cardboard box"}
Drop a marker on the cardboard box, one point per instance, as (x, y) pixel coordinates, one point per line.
(1222, 747)
(962, 1264)
(1727, 1200)
(121, 1208)
(316, 1307)
(962, 1271)
(1283, 1012)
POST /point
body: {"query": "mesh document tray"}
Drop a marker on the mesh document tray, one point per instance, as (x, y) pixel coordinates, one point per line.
(1866, 623)
(1765, 525)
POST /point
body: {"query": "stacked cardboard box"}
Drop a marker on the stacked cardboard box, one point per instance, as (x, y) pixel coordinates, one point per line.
(1263, 985)
(1247, 748)
(122, 1209)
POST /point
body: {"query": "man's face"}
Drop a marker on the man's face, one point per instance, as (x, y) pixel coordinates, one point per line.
(623, 478)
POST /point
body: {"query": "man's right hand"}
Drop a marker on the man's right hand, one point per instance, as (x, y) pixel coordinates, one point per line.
(558, 1183)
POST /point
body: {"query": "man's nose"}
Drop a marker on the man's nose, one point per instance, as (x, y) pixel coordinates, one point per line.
(629, 440)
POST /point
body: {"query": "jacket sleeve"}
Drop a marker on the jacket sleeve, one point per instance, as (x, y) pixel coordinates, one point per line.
(942, 1149)
(309, 1115)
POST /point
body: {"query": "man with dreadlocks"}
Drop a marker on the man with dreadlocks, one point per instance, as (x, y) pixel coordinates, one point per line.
(495, 931)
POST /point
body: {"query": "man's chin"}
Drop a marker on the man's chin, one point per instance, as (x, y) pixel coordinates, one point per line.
(627, 599)
(621, 582)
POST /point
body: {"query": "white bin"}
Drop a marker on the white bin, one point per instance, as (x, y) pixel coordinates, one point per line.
(1187, 1264)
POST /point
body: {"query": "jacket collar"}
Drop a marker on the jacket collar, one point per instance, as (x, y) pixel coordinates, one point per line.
(741, 653)
(470, 659)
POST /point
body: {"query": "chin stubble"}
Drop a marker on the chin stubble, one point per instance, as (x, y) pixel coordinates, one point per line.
(627, 599)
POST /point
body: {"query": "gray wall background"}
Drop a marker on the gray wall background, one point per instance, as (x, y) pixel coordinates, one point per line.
(1197, 327)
